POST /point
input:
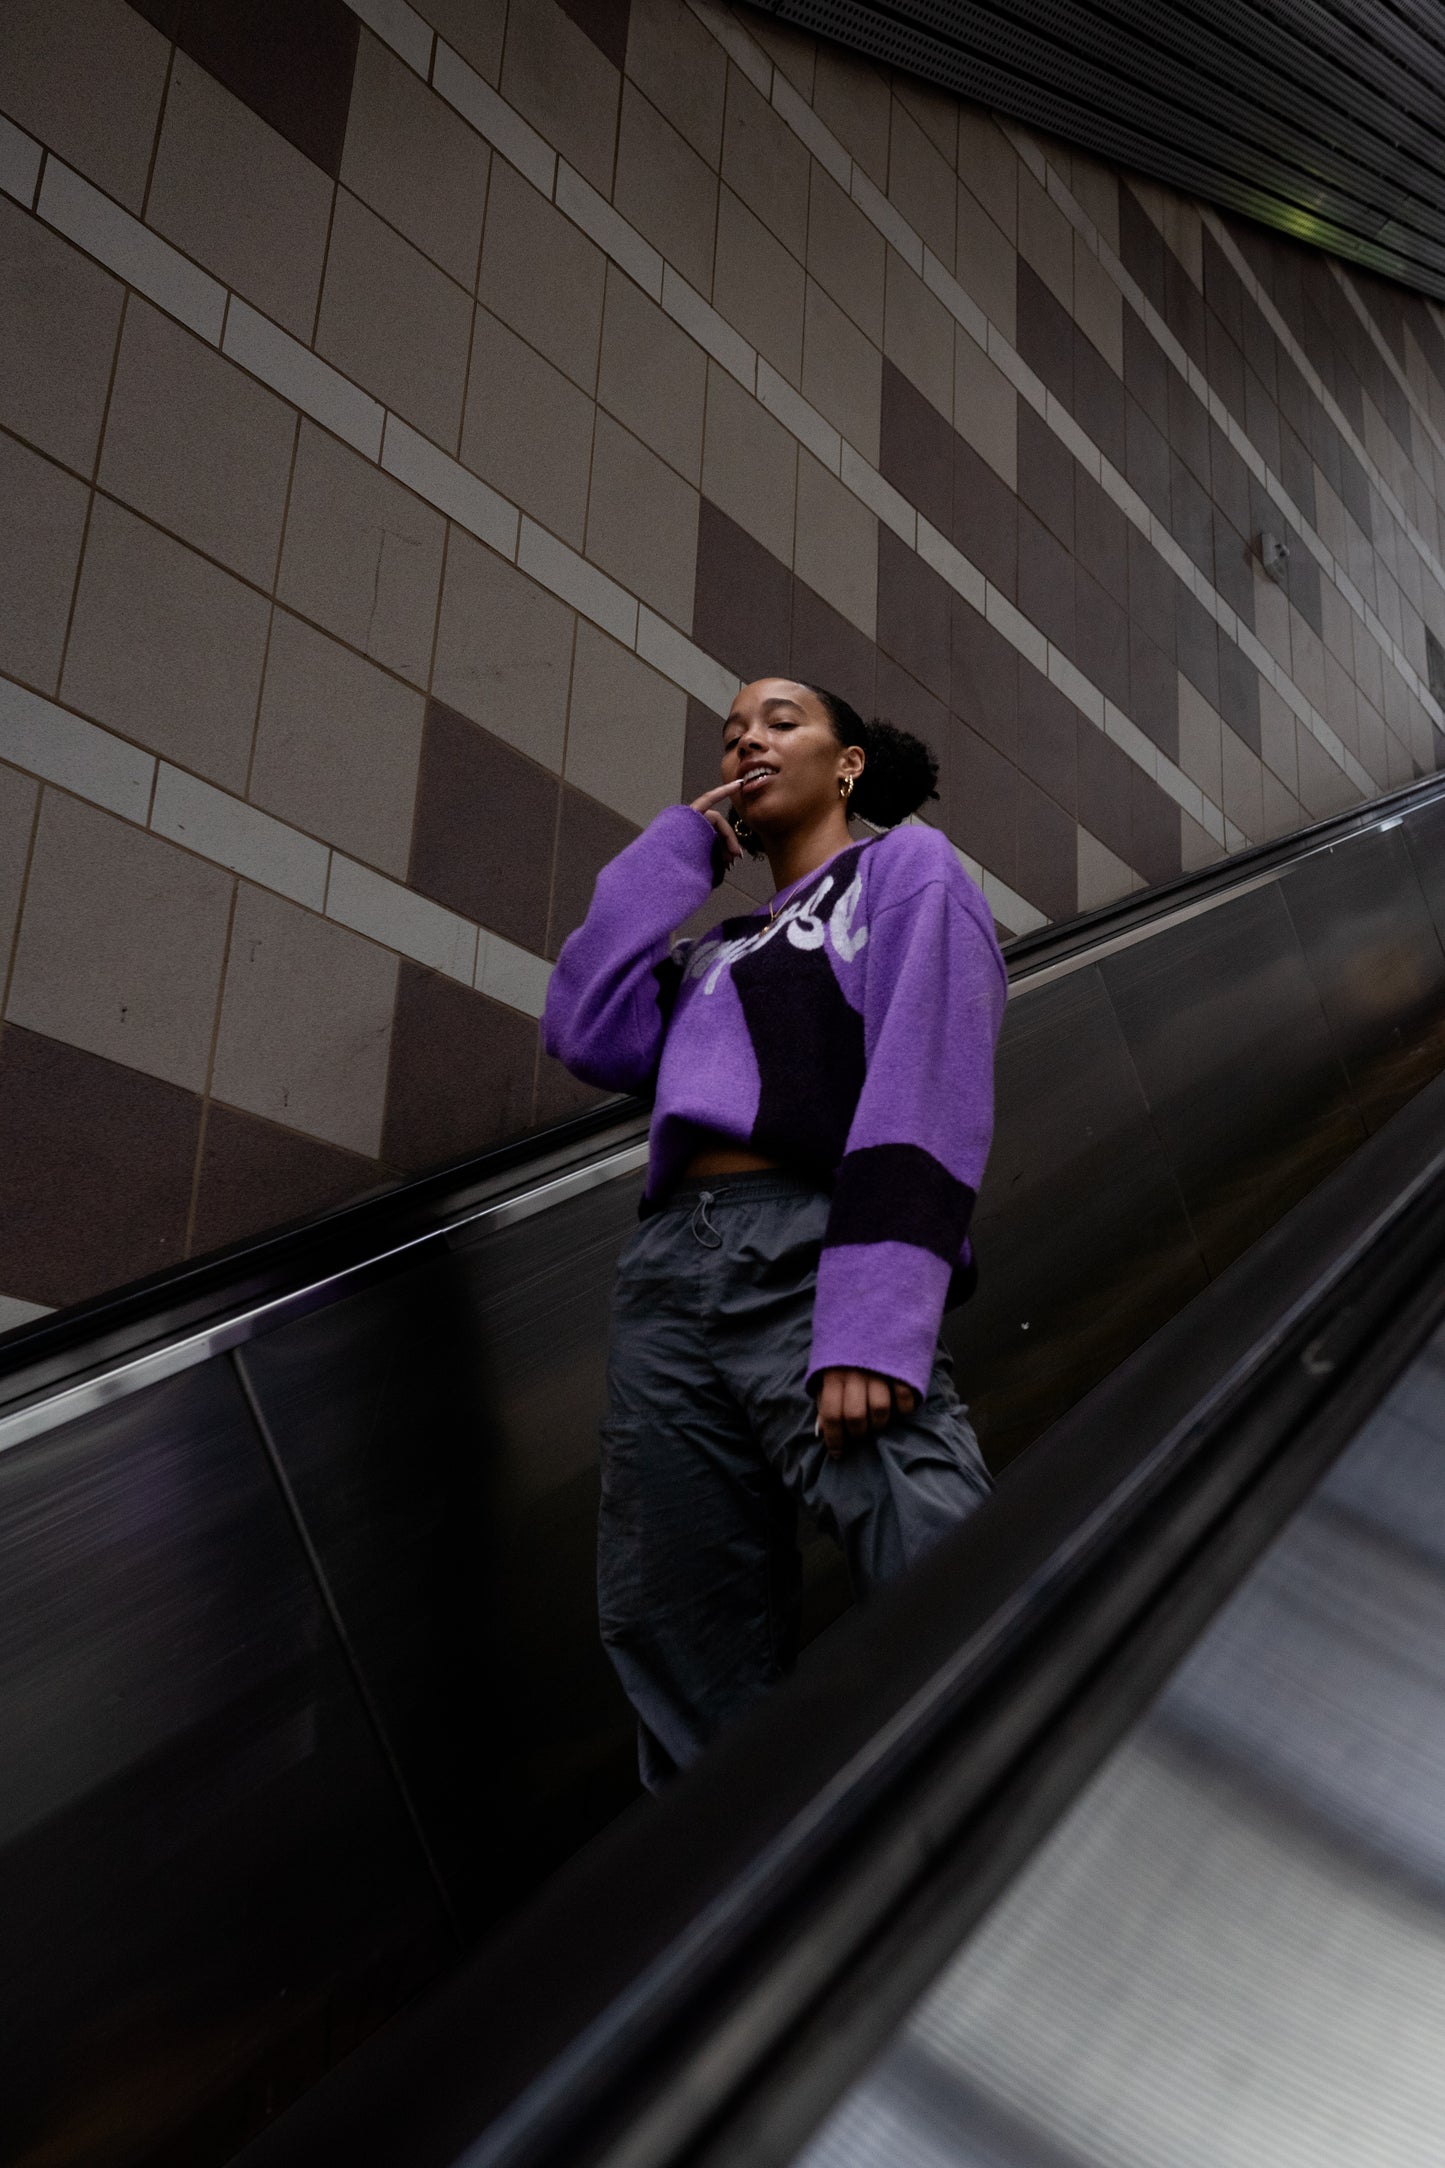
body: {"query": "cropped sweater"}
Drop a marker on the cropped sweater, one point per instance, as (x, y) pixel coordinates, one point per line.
(851, 1039)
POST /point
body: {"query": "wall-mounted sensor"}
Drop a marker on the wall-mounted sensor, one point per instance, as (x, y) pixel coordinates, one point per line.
(1274, 555)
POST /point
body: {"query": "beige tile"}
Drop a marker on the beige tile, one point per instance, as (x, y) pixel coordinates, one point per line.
(19, 795)
(166, 648)
(842, 372)
(986, 265)
(852, 98)
(1242, 785)
(1098, 305)
(1096, 189)
(473, 28)
(642, 522)
(528, 429)
(238, 836)
(758, 286)
(846, 254)
(1372, 752)
(1271, 616)
(338, 746)
(989, 167)
(837, 545)
(766, 164)
(934, 110)
(1197, 847)
(361, 556)
(794, 52)
(1103, 878)
(39, 551)
(305, 1023)
(1341, 704)
(415, 161)
(918, 335)
(1307, 661)
(1046, 239)
(86, 77)
(626, 731)
(1201, 741)
(676, 63)
(543, 277)
(749, 465)
(921, 183)
(1326, 789)
(1283, 813)
(59, 317)
(985, 407)
(393, 321)
(564, 85)
(197, 445)
(652, 376)
(504, 652)
(120, 944)
(102, 230)
(665, 190)
(235, 195)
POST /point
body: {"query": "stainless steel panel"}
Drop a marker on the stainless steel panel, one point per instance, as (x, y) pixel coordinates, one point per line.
(207, 1882)
(1246, 1090)
(1377, 963)
(1232, 1950)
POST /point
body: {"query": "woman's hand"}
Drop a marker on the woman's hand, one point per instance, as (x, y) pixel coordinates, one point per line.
(708, 805)
(852, 1403)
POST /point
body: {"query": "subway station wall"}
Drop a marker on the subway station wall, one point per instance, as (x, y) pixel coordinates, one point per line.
(414, 421)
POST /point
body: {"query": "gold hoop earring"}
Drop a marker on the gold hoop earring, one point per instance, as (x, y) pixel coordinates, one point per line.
(845, 787)
(742, 831)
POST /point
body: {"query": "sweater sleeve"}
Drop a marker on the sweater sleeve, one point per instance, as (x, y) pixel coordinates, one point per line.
(933, 1004)
(606, 1010)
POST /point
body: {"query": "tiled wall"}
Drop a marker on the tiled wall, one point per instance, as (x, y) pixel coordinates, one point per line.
(414, 421)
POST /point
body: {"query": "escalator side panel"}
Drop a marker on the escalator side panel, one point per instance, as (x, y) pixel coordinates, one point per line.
(208, 1886)
(1245, 1087)
(1377, 962)
(1084, 1243)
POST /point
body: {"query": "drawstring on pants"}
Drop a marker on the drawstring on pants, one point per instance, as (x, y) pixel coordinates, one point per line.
(701, 1225)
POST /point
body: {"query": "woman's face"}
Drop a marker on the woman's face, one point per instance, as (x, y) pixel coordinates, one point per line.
(779, 747)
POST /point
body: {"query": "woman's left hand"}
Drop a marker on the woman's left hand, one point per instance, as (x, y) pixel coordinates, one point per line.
(853, 1403)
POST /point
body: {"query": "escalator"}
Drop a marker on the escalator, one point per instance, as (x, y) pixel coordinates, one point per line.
(298, 1668)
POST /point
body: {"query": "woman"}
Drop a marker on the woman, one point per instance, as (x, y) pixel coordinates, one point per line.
(822, 1075)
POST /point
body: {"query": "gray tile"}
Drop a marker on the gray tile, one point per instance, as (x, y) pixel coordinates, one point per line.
(86, 77)
(528, 429)
(197, 445)
(665, 190)
(554, 74)
(652, 376)
(305, 1023)
(59, 316)
(415, 161)
(543, 277)
(166, 648)
(642, 522)
(627, 730)
(362, 555)
(19, 795)
(39, 551)
(394, 322)
(504, 651)
(121, 944)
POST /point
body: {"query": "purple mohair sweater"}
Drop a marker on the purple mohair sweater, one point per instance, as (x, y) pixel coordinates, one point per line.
(851, 1039)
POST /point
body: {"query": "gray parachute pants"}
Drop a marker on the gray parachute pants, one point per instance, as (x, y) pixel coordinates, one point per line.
(709, 1449)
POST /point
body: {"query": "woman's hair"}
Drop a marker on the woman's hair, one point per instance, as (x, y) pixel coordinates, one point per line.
(900, 772)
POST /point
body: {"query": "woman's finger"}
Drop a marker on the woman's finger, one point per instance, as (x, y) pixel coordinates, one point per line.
(880, 1400)
(904, 1398)
(855, 1403)
(830, 1412)
(713, 797)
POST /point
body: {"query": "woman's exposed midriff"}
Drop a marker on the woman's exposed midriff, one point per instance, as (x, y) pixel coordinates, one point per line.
(724, 1157)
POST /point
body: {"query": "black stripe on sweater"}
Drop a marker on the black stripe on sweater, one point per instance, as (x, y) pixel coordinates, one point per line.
(899, 1193)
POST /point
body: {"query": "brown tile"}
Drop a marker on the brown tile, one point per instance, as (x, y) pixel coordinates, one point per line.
(913, 614)
(556, 71)
(919, 334)
(305, 1023)
(922, 183)
(985, 519)
(588, 835)
(393, 321)
(983, 802)
(1045, 335)
(560, 1096)
(1101, 537)
(1225, 368)
(652, 376)
(678, 64)
(87, 79)
(702, 751)
(19, 798)
(852, 98)
(256, 1176)
(461, 1072)
(290, 61)
(626, 729)
(415, 161)
(758, 286)
(196, 445)
(1151, 591)
(846, 254)
(766, 164)
(984, 683)
(337, 745)
(829, 651)
(1146, 372)
(473, 28)
(985, 408)
(1196, 644)
(485, 822)
(239, 198)
(528, 429)
(1189, 427)
(504, 651)
(835, 549)
(1105, 788)
(541, 276)
(1047, 868)
(1154, 838)
(121, 943)
(1153, 692)
(642, 522)
(665, 190)
(1046, 475)
(1045, 581)
(986, 263)
(1048, 737)
(362, 555)
(750, 464)
(1101, 639)
(742, 606)
(166, 648)
(59, 317)
(1191, 516)
(39, 553)
(1239, 690)
(78, 1128)
(1146, 458)
(1141, 246)
(915, 448)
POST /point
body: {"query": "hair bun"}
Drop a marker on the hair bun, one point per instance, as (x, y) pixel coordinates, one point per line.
(900, 774)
